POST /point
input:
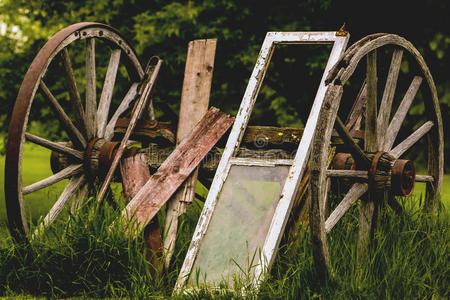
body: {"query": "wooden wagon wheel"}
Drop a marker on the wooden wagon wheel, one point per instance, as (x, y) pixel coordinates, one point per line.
(89, 126)
(378, 167)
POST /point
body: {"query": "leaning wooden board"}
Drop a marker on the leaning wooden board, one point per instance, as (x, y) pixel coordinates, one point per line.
(177, 167)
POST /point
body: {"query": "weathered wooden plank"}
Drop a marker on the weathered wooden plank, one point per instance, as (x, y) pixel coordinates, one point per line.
(91, 89)
(135, 173)
(58, 147)
(388, 96)
(411, 139)
(146, 89)
(61, 175)
(107, 91)
(183, 160)
(74, 134)
(400, 114)
(355, 192)
(194, 104)
(77, 106)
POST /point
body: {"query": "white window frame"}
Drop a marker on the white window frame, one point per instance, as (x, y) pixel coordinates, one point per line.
(298, 164)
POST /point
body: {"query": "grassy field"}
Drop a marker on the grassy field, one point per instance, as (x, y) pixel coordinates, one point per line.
(88, 256)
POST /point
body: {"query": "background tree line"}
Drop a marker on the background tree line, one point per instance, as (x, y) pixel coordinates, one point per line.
(164, 28)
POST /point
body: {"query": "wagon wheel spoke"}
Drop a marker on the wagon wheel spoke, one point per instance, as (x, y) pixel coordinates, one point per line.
(54, 146)
(108, 86)
(75, 99)
(61, 175)
(388, 96)
(394, 204)
(424, 178)
(367, 208)
(354, 193)
(411, 140)
(400, 114)
(71, 189)
(137, 111)
(91, 93)
(78, 199)
(74, 134)
(124, 105)
(357, 153)
(370, 138)
(355, 115)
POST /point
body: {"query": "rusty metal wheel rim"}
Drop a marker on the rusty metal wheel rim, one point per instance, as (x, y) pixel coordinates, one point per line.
(17, 219)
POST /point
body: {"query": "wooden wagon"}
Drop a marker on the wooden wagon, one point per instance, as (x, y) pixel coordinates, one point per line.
(360, 147)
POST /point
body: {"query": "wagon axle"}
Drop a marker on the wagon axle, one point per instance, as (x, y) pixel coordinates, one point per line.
(385, 172)
(97, 158)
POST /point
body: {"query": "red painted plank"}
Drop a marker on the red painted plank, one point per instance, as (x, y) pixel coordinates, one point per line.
(177, 167)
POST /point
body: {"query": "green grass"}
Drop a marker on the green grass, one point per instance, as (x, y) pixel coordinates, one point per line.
(88, 255)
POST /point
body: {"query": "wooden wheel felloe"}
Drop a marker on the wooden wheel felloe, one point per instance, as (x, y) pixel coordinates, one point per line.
(88, 121)
(384, 164)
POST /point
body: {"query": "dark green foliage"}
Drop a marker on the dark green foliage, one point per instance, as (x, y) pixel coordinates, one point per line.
(164, 28)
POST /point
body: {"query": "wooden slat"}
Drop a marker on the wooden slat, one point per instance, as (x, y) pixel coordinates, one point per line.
(75, 99)
(54, 146)
(411, 140)
(137, 111)
(355, 192)
(61, 175)
(71, 189)
(400, 114)
(348, 174)
(388, 96)
(124, 105)
(194, 104)
(91, 89)
(74, 134)
(367, 208)
(177, 167)
(370, 139)
(108, 87)
(367, 223)
(135, 173)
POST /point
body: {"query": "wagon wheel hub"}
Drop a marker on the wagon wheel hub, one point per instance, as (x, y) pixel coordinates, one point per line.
(385, 172)
(98, 156)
